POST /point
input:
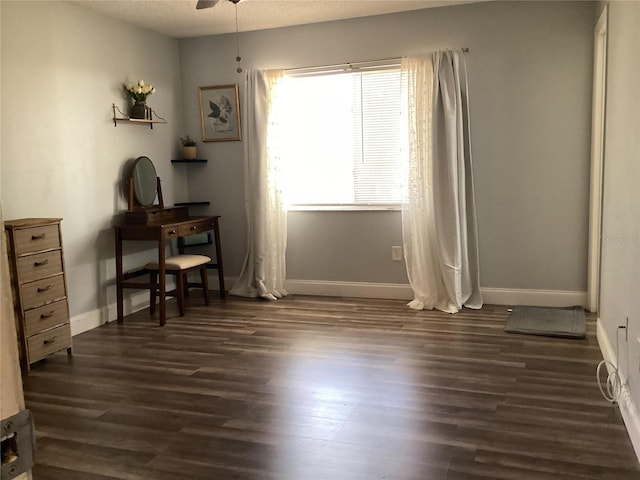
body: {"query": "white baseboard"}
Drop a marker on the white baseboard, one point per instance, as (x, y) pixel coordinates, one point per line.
(324, 288)
(628, 409)
(93, 319)
(534, 298)
(133, 303)
(400, 291)
(395, 291)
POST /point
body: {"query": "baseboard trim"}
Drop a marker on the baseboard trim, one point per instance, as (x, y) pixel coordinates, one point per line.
(132, 303)
(400, 291)
(95, 318)
(393, 291)
(629, 412)
(323, 288)
(535, 298)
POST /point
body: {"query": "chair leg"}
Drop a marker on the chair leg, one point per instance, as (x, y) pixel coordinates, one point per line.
(205, 284)
(180, 284)
(186, 284)
(153, 279)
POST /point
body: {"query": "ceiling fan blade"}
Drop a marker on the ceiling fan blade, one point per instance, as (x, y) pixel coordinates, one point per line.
(205, 4)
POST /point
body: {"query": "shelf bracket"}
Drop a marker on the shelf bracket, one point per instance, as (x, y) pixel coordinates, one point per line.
(150, 114)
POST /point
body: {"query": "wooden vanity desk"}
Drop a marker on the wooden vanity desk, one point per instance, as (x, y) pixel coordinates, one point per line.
(161, 225)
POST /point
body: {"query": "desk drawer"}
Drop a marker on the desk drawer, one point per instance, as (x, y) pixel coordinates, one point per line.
(41, 292)
(196, 227)
(45, 317)
(48, 342)
(36, 239)
(199, 226)
(189, 228)
(39, 265)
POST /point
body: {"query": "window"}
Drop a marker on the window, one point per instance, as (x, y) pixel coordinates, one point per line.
(341, 142)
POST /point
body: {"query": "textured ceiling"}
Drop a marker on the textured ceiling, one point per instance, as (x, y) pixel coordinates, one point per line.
(180, 19)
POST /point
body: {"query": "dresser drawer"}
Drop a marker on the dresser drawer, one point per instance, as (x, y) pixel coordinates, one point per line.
(45, 343)
(41, 292)
(39, 265)
(38, 287)
(45, 317)
(37, 238)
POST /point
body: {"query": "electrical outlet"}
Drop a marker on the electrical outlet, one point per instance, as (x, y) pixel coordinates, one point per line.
(396, 254)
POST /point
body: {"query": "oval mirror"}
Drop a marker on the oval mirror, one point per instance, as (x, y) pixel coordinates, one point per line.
(144, 181)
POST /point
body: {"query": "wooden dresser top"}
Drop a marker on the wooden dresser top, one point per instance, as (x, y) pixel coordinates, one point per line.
(30, 222)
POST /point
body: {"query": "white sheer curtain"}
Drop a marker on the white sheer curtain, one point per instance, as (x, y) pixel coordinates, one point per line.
(264, 271)
(438, 216)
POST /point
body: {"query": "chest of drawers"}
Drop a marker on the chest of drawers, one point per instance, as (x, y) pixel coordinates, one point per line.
(36, 263)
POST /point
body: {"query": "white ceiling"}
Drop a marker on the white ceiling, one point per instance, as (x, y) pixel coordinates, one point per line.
(180, 19)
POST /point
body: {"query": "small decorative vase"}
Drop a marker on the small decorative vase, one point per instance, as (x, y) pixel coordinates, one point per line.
(189, 153)
(139, 110)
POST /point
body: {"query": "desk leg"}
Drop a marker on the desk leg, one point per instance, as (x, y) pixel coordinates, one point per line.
(216, 235)
(119, 277)
(162, 281)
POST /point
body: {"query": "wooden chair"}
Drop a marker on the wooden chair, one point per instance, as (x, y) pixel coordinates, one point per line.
(179, 266)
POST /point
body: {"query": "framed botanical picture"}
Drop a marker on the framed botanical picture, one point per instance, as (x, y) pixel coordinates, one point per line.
(219, 113)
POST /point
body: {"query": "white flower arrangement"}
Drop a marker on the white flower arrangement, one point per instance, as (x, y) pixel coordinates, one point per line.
(139, 92)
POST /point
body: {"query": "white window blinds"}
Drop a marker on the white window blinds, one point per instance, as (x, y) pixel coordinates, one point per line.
(341, 138)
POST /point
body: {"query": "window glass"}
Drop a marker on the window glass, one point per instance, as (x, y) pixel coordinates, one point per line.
(340, 138)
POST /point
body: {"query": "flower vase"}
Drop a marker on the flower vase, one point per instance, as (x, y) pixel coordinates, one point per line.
(139, 110)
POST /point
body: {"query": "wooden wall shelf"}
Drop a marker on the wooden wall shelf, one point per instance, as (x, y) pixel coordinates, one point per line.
(117, 120)
(153, 118)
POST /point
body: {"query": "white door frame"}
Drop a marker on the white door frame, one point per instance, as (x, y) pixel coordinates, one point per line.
(597, 160)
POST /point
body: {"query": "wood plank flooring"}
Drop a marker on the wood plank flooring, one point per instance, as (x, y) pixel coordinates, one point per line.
(310, 388)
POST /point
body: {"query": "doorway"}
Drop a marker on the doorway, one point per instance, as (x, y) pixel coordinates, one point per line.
(597, 160)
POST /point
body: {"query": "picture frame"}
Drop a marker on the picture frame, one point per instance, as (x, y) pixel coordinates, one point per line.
(220, 113)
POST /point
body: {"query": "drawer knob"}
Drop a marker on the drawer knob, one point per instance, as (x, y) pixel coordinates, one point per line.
(194, 227)
(44, 289)
(40, 264)
(172, 232)
(39, 236)
(44, 316)
(51, 340)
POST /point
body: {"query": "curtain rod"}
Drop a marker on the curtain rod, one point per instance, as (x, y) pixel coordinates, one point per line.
(386, 62)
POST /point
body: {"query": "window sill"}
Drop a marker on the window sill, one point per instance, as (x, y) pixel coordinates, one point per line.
(345, 208)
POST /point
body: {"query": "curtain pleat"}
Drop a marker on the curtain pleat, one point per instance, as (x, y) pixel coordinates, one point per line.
(264, 270)
(439, 221)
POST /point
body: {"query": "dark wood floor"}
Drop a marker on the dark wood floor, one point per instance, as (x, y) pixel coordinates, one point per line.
(310, 388)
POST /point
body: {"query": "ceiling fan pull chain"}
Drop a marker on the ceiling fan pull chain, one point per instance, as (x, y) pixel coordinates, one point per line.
(238, 57)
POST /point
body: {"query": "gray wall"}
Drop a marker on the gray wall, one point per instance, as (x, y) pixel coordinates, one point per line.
(62, 68)
(620, 274)
(530, 72)
(530, 86)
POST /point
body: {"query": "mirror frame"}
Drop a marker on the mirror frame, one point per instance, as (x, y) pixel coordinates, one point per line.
(143, 184)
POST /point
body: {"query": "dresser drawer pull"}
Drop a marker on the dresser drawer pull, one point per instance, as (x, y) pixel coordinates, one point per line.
(172, 232)
(44, 316)
(51, 340)
(44, 289)
(40, 264)
(194, 227)
(39, 236)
